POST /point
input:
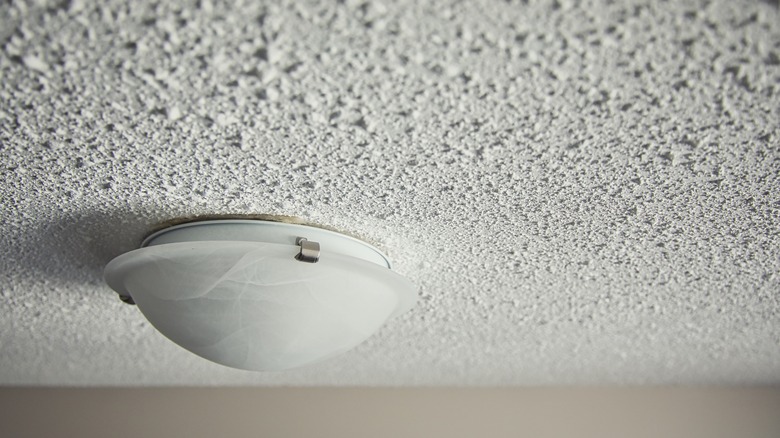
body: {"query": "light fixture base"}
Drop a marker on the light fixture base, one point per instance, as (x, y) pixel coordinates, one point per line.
(246, 230)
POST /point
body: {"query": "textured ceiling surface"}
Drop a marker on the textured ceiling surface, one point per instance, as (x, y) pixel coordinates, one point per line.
(584, 192)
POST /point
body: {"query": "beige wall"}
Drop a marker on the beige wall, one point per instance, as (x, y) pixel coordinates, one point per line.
(193, 412)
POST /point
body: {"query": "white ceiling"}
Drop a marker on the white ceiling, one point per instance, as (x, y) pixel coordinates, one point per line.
(584, 192)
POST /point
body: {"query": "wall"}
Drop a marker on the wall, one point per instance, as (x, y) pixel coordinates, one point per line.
(582, 412)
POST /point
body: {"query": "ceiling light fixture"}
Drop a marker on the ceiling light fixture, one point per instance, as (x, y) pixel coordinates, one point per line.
(260, 295)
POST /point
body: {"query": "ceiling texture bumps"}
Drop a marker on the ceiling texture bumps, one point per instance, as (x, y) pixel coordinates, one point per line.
(584, 192)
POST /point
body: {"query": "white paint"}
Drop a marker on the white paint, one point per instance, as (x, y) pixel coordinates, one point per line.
(585, 194)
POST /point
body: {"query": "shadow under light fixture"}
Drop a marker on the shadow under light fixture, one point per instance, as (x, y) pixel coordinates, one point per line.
(260, 295)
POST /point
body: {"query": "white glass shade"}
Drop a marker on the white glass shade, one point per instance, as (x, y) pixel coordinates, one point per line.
(252, 305)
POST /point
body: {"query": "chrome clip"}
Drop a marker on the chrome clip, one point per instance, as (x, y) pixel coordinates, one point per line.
(310, 251)
(127, 299)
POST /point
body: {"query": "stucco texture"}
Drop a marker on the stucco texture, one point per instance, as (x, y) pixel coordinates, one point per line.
(584, 192)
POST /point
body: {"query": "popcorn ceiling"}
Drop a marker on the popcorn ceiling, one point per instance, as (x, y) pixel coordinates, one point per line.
(584, 192)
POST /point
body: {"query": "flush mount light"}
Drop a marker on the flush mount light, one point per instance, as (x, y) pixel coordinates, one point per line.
(260, 295)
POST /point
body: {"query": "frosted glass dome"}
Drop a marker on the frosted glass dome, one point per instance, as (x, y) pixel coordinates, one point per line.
(244, 300)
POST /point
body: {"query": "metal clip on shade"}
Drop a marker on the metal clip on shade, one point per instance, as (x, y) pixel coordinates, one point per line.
(310, 251)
